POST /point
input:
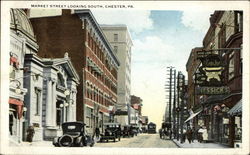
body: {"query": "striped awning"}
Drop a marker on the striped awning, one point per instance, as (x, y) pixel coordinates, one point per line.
(237, 109)
(192, 116)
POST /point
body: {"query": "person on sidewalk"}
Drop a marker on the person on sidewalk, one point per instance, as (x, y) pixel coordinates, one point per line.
(200, 137)
(97, 133)
(189, 135)
(30, 134)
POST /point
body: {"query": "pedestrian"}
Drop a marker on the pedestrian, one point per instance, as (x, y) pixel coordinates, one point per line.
(183, 137)
(97, 133)
(189, 135)
(193, 134)
(160, 132)
(200, 137)
(30, 133)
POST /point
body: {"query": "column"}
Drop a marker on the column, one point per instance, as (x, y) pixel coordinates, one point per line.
(53, 102)
(49, 108)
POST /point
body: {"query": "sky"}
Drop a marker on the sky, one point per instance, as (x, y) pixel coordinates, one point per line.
(160, 38)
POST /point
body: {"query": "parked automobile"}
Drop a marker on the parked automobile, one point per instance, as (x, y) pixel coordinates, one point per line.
(112, 132)
(151, 127)
(74, 135)
(128, 131)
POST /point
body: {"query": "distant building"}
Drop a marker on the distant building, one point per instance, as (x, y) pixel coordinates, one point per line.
(121, 42)
(78, 33)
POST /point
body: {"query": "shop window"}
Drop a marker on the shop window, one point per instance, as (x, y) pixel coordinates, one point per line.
(238, 21)
(115, 37)
(231, 66)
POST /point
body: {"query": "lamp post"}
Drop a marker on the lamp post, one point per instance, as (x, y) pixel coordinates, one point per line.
(61, 109)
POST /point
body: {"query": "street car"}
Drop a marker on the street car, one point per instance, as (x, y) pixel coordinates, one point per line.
(74, 135)
(151, 127)
(112, 132)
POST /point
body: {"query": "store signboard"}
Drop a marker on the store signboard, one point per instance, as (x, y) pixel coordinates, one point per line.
(212, 90)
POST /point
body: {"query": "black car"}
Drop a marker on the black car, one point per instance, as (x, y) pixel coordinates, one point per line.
(128, 131)
(151, 127)
(112, 132)
(74, 135)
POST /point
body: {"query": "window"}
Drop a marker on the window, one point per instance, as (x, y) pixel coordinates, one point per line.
(222, 36)
(238, 21)
(115, 37)
(58, 113)
(116, 49)
(231, 66)
(38, 100)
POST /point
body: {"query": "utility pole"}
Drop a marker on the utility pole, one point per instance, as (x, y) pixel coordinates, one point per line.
(174, 106)
(182, 103)
(178, 104)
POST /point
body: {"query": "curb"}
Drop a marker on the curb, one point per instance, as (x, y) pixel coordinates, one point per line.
(176, 144)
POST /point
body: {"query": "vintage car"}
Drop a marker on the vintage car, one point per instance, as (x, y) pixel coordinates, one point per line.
(74, 135)
(128, 131)
(112, 132)
(151, 128)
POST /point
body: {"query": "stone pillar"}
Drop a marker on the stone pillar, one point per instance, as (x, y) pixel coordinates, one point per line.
(53, 103)
(49, 105)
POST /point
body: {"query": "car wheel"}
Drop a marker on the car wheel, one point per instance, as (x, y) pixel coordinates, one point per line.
(80, 144)
(91, 145)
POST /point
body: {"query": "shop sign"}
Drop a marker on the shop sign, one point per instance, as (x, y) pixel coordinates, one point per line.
(212, 90)
(204, 54)
(119, 112)
(210, 71)
(225, 121)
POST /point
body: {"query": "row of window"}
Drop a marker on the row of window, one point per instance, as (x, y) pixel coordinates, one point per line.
(98, 97)
(97, 51)
(103, 78)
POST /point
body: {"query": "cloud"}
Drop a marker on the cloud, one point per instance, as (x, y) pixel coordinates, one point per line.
(197, 20)
(137, 21)
(153, 50)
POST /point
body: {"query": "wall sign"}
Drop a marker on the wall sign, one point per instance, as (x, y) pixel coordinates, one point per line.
(212, 90)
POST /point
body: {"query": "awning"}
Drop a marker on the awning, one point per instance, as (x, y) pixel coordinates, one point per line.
(192, 116)
(237, 109)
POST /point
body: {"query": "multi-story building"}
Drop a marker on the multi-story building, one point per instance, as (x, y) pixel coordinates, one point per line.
(78, 33)
(221, 113)
(120, 39)
(192, 66)
(22, 39)
(136, 104)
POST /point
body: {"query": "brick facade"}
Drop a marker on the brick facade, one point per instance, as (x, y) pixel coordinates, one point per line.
(79, 34)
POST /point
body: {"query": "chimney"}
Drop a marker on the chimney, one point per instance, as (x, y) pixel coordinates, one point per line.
(66, 12)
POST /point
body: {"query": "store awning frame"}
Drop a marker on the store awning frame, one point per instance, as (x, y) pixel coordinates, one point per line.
(236, 109)
(192, 116)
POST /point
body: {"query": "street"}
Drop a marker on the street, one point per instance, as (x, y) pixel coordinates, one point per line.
(140, 141)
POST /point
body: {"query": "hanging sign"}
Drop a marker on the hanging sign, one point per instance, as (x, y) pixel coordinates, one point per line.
(212, 90)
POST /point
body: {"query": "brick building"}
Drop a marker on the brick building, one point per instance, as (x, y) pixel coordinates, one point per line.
(78, 33)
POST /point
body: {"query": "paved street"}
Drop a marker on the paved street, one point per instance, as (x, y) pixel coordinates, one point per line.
(140, 141)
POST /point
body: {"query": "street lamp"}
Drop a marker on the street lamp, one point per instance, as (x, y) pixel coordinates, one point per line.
(61, 109)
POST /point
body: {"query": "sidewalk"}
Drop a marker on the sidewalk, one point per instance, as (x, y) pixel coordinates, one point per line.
(197, 144)
(36, 144)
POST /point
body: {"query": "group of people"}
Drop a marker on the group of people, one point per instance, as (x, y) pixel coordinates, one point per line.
(199, 134)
